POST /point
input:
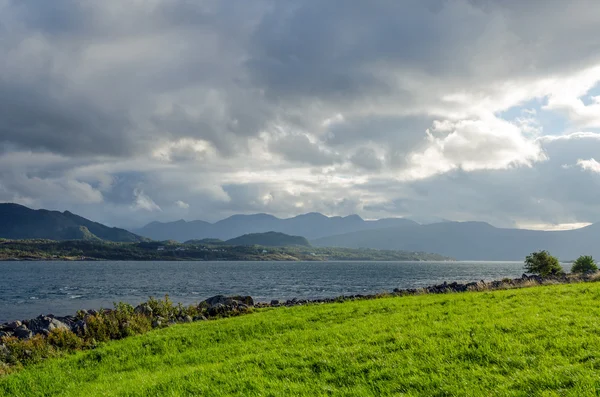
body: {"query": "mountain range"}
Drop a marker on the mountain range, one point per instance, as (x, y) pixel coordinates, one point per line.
(19, 222)
(460, 240)
(473, 241)
(312, 226)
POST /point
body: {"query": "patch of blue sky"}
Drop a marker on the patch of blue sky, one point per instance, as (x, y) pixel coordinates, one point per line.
(521, 110)
(551, 122)
(588, 98)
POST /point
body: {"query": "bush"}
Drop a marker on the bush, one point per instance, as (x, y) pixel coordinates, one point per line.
(543, 263)
(584, 264)
(64, 339)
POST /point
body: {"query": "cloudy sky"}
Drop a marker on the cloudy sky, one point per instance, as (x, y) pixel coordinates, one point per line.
(131, 111)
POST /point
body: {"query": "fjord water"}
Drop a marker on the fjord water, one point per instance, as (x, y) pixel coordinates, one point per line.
(28, 289)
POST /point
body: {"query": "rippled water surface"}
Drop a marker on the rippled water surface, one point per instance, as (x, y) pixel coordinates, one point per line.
(28, 289)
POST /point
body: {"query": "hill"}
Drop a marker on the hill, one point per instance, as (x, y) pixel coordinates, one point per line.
(313, 225)
(472, 241)
(526, 342)
(269, 239)
(96, 249)
(19, 222)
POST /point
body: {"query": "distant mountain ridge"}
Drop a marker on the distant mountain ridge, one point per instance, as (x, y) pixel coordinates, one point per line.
(473, 241)
(312, 226)
(18, 222)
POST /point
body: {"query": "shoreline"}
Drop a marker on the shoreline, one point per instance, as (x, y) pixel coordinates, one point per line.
(454, 287)
(30, 341)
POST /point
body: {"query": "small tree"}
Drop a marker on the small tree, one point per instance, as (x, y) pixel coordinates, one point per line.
(584, 264)
(543, 263)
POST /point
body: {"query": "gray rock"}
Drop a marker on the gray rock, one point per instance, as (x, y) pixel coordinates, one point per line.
(45, 324)
(79, 328)
(143, 309)
(228, 300)
(23, 332)
(274, 302)
(200, 318)
(158, 322)
(14, 325)
(187, 319)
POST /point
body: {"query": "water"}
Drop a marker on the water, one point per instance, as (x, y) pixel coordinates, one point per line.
(28, 289)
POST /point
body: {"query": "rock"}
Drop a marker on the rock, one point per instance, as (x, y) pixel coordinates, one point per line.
(228, 300)
(79, 328)
(200, 318)
(275, 302)
(92, 312)
(158, 322)
(14, 325)
(45, 324)
(143, 309)
(22, 332)
(187, 319)
(217, 309)
(5, 334)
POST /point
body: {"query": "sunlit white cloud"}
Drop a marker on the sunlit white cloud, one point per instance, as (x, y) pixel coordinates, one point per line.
(589, 165)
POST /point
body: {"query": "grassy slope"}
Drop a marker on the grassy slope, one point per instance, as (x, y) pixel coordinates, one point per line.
(535, 341)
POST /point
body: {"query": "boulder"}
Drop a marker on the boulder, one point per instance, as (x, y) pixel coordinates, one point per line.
(217, 309)
(46, 324)
(79, 328)
(228, 300)
(143, 309)
(158, 322)
(22, 332)
(14, 325)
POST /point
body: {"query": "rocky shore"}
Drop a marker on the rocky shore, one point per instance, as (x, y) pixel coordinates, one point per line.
(222, 306)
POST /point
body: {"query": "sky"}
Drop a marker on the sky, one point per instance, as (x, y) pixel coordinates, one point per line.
(130, 112)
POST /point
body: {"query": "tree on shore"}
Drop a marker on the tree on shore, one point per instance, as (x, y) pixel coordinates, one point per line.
(584, 264)
(543, 263)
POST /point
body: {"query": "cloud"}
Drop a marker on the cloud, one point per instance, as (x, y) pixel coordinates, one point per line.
(301, 149)
(473, 145)
(465, 109)
(589, 165)
(182, 204)
(144, 202)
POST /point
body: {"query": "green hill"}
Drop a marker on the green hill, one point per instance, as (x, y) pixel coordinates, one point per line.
(540, 341)
(18, 222)
(206, 241)
(269, 239)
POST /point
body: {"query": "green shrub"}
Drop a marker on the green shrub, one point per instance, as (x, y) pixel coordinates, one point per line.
(543, 263)
(64, 339)
(584, 264)
(28, 351)
(161, 308)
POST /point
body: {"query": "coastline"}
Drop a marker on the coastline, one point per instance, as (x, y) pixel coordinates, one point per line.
(33, 340)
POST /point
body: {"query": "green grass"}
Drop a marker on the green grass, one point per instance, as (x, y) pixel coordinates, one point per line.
(542, 341)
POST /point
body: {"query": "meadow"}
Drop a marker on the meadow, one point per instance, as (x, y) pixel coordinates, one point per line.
(539, 341)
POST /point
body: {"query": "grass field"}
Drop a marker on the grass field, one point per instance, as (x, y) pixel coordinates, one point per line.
(536, 341)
